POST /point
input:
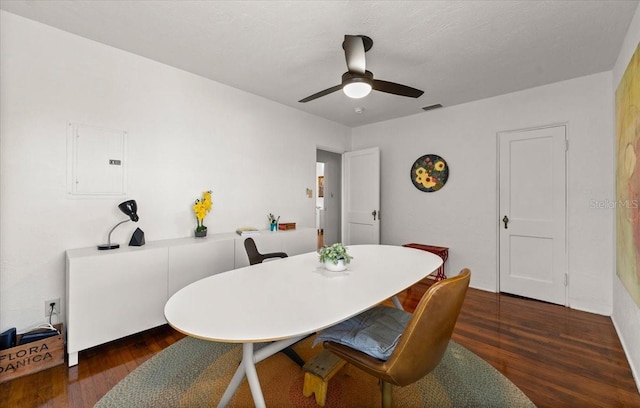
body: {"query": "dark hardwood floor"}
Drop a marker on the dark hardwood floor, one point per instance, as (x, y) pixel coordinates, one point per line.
(557, 356)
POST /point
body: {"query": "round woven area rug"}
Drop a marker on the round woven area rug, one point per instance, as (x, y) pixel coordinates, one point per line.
(195, 373)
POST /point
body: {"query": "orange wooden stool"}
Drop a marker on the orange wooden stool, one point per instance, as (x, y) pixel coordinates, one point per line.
(318, 371)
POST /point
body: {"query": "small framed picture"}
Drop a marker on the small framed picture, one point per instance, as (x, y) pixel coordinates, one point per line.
(320, 186)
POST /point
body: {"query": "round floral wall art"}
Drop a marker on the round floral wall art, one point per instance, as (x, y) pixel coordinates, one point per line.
(429, 173)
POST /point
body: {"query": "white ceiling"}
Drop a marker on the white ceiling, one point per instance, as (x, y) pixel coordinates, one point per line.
(455, 51)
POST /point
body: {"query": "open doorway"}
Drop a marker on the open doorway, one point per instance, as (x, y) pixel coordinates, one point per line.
(328, 197)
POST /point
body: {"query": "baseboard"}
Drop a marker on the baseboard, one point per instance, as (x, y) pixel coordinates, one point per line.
(636, 375)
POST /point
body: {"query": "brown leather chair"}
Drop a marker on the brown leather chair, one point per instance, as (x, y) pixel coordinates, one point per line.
(256, 257)
(423, 341)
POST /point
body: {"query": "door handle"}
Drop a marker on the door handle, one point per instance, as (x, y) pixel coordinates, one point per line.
(374, 213)
(506, 221)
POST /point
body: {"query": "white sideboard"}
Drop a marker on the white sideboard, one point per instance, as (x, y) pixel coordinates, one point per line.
(116, 293)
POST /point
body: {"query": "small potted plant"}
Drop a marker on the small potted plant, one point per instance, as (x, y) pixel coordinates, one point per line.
(335, 257)
(201, 208)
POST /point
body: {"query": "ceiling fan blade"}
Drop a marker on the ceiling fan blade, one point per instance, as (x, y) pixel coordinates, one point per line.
(396, 89)
(321, 93)
(354, 53)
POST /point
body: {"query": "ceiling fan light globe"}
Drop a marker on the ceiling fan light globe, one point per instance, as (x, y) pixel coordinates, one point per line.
(356, 90)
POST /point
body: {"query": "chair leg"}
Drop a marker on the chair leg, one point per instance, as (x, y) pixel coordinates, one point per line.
(387, 392)
(293, 356)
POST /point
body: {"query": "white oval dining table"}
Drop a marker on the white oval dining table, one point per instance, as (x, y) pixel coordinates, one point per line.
(284, 300)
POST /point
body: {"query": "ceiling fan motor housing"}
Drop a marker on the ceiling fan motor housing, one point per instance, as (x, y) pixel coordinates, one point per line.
(351, 77)
(357, 85)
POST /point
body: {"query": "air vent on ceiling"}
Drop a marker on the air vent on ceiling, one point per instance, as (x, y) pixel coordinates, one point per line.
(430, 107)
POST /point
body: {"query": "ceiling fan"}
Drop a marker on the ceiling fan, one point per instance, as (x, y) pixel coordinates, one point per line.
(357, 82)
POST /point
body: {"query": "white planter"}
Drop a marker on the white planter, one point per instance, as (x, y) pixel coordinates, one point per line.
(340, 266)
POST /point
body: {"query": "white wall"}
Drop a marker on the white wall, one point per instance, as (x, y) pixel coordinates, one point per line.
(626, 313)
(186, 134)
(463, 215)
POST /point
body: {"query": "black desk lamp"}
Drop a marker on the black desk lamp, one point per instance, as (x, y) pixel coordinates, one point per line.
(130, 208)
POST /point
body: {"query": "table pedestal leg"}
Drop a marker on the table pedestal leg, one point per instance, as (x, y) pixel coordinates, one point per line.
(396, 302)
(233, 385)
(252, 375)
(248, 367)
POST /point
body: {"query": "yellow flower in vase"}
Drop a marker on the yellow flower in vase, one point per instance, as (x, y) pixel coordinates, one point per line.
(206, 198)
(201, 208)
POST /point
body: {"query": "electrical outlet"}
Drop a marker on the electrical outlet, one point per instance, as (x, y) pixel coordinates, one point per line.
(56, 307)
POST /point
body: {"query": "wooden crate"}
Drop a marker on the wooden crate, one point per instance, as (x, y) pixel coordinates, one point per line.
(32, 357)
(287, 226)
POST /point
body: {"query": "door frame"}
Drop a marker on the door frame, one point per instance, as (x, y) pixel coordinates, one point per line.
(566, 206)
(341, 152)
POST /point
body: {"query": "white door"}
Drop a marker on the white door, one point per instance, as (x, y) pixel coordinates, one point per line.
(533, 259)
(361, 197)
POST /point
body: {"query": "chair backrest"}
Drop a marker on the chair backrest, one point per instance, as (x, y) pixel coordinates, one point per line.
(255, 257)
(427, 335)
